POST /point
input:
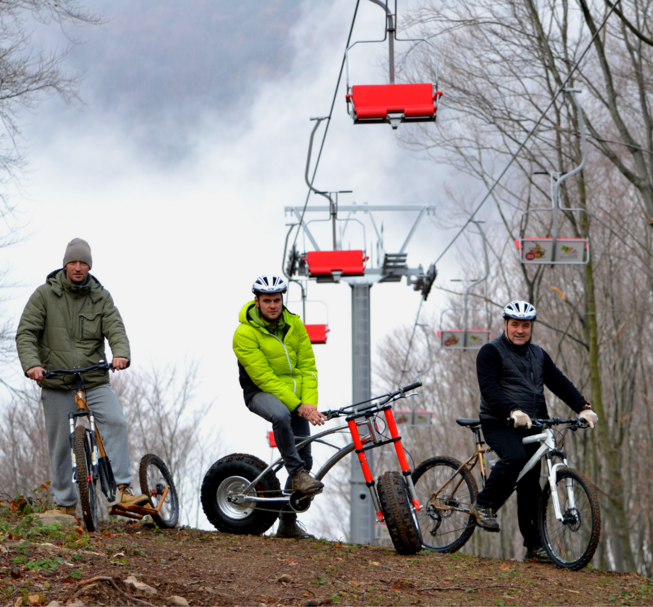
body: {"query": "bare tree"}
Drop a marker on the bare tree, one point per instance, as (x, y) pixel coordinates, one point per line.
(163, 419)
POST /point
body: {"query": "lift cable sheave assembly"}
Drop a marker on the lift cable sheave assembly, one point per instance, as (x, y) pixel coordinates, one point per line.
(392, 103)
(465, 338)
(554, 249)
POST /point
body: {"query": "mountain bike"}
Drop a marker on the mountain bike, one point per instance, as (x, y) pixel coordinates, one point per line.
(569, 516)
(90, 463)
(241, 494)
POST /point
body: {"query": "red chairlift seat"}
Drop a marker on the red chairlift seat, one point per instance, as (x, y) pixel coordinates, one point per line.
(393, 103)
(328, 263)
(317, 333)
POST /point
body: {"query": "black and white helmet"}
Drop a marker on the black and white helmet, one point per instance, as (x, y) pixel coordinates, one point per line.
(520, 310)
(269, 284)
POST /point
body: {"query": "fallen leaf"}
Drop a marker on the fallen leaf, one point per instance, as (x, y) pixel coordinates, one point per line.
(505, 567)
(376, 563)
(338, 545)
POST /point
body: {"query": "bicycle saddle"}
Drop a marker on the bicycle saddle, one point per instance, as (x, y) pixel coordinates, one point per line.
(472, 424)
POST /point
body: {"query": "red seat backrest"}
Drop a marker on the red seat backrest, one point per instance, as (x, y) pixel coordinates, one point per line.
(322, 263)
(376, 100)
(317, 333)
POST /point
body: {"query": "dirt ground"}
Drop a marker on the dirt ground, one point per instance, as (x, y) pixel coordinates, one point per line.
(40, 565)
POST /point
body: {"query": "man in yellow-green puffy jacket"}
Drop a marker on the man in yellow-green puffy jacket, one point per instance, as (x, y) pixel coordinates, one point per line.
(279, 380)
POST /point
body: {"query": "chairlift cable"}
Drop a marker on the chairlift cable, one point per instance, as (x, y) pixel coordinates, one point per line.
(530, 134)
(410, 342)
(328, 120)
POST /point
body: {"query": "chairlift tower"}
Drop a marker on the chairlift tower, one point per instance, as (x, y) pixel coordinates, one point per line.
(337, 265)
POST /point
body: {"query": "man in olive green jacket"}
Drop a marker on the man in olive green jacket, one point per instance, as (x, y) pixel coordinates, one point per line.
(63, 326)
(279, 381)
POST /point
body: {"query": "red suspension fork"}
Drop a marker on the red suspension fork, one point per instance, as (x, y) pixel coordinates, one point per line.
(367, 473)
(405, 468)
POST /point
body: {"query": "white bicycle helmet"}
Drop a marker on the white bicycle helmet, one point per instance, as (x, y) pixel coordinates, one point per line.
(520, 310)
(269, 284)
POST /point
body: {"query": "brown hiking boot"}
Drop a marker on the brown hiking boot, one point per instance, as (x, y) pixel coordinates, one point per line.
(127, 498)
(69, 510)
(293, 530)
(303, 482)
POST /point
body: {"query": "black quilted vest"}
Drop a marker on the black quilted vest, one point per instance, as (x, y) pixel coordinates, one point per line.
(521, 379)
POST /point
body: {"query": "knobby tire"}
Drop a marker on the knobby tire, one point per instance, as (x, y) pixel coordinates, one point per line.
(154, 475)
(398, 513)
(85, 489)
(571, 545)
(442, 529)
(230, 475)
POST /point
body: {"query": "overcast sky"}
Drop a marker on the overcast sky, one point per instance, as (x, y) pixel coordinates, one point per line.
(192, 139)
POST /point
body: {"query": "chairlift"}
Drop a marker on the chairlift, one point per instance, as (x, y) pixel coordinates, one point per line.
(555, 250)
(466, 338)
(392, 103)
(318, 333)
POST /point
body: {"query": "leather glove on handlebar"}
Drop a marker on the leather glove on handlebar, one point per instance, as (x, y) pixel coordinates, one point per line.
(521, 420)
(589, 416)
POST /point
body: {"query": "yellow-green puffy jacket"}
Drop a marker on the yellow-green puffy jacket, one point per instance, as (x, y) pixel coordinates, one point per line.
(283, 366)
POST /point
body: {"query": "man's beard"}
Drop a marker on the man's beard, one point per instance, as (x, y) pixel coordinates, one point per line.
(271, 320)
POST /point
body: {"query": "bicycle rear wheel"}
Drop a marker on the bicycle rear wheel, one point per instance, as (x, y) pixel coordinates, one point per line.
(446, 524)
(154, 476)
(570, 543)
(84, 477)
(228, 477)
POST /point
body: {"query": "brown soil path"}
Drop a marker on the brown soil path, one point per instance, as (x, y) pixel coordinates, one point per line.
(217, 569)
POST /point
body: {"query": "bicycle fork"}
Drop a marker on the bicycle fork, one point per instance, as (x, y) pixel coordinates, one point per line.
(377, 442)
(571, 498)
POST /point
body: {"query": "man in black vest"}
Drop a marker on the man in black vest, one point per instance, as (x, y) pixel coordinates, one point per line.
(512, 373)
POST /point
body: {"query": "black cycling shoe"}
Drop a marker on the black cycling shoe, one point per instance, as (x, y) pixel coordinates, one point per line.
(293, 530)
(537, 555)
(485, 517)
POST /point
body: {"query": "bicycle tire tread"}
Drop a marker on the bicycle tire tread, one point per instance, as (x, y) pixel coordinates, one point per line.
(87, 502)
(397, 511)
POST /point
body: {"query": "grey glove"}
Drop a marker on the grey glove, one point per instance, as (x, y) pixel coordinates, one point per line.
(521, 419)
(589, 416)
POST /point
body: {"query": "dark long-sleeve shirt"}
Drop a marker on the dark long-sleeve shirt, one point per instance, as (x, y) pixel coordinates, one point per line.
(489, 370)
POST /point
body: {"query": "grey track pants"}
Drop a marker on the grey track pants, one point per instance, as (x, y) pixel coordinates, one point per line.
(111, 423)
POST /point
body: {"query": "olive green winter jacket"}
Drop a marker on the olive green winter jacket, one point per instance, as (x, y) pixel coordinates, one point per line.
(63, 326)
(283, 366)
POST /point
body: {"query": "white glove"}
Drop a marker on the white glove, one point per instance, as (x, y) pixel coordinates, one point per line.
(521, 419)
(589, 416)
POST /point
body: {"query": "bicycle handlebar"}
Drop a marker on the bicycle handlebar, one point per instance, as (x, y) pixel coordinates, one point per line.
(388, 398)
(556, 421)
(104, 366)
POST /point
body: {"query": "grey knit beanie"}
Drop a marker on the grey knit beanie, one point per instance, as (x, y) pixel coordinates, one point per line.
(78, 250)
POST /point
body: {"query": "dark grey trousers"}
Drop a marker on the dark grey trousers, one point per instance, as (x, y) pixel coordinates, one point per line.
(286, 426)
(111, 423)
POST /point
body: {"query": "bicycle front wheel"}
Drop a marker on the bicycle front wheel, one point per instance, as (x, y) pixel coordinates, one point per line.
(154, 477)
(84, 477)
(446, 492)
(570, 543)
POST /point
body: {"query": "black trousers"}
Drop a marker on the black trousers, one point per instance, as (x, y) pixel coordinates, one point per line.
(507, 444)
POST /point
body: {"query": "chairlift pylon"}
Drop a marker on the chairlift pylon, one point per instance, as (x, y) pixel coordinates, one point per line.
(465, 338)
(555, 250)
(392, 103)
